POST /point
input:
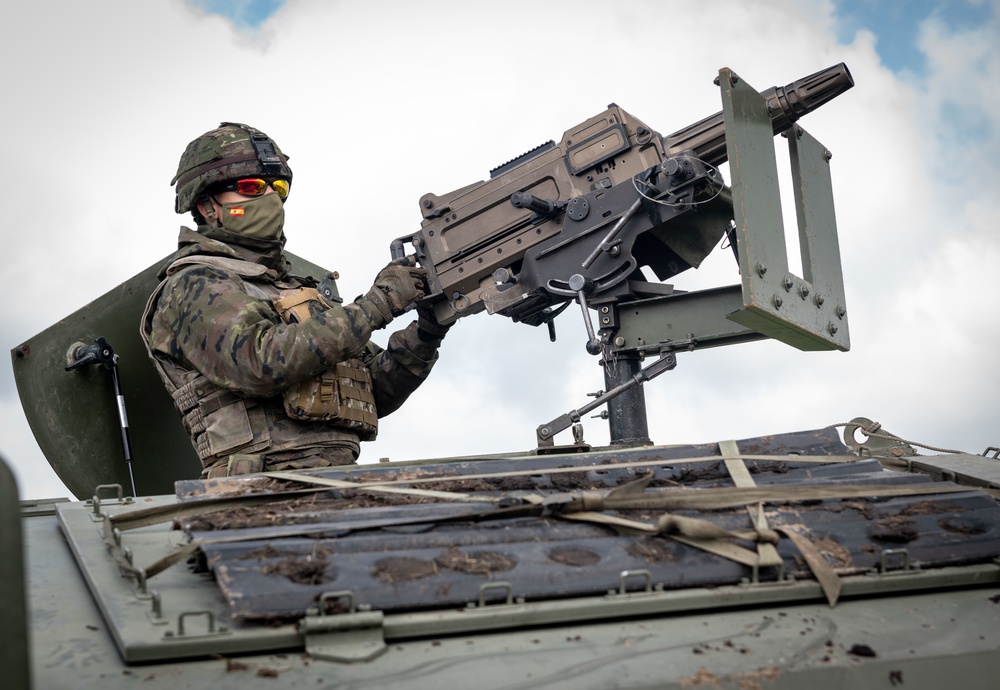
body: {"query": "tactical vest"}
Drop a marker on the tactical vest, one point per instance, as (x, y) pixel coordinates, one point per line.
(222, 423)
(344, 394)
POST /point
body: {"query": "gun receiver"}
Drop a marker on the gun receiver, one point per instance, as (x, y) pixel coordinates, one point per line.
(577, 220)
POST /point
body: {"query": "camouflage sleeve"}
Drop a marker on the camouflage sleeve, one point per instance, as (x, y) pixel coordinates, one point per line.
(208, 320)
(399, 370)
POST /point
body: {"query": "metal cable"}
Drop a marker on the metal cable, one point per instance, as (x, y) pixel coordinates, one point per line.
(875, 430)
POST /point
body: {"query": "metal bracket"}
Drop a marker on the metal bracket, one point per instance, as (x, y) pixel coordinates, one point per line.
(884, 566)
(155, 614)
(97, 515)
(211, 628)
(503, 586)
(874, 445)
(627, 574)
(807, 312)
(755, 572)
(345, 637)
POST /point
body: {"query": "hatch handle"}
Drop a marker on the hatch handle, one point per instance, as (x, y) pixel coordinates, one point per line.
(344, 637)
(626, 574)
(884, 559)
(211, 624)
(96, 500)
(505, 586)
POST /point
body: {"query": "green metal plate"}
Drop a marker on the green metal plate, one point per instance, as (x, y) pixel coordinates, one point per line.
(74, 416)
(700, 314)
(807, 312)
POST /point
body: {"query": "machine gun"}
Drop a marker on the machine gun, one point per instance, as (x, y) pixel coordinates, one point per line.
(579, 220)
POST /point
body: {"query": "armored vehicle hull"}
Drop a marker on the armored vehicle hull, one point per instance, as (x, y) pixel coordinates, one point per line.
(510, 573)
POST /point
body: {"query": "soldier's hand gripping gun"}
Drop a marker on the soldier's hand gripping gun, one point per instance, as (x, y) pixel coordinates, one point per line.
(578, 219)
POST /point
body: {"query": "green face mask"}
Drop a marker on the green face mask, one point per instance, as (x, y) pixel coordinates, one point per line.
(260, 218)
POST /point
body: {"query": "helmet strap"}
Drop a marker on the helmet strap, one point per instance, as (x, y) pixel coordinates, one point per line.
(210, 216)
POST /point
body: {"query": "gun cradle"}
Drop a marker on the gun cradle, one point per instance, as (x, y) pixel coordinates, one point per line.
(613, 196)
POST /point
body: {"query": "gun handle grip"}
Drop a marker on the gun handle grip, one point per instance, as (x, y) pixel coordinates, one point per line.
(397, 249)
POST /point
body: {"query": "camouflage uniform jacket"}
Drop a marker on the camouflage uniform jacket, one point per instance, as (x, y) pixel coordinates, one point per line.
(225, 355)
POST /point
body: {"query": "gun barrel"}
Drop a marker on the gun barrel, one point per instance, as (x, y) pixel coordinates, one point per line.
(787, 104)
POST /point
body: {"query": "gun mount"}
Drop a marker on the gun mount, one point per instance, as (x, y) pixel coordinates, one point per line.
(579, 220)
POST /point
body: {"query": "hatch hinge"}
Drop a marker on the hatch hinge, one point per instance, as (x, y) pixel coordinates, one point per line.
(346, 637)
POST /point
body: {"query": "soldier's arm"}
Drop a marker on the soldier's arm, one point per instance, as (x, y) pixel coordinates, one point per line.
(239, 342)
(399, 370)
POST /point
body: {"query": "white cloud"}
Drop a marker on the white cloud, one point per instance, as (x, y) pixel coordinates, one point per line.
(380, 103)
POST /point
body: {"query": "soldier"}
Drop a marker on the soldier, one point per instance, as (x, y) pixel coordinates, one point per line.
(271, 371)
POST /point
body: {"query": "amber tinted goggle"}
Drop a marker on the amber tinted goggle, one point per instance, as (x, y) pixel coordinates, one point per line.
(255, 186)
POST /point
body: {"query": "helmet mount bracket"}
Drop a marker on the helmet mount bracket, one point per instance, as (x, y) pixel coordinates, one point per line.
(269, 160)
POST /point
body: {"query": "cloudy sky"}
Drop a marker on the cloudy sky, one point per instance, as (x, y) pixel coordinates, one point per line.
(379, 103)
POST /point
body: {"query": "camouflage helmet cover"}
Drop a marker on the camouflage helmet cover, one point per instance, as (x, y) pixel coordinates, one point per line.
(231, 151)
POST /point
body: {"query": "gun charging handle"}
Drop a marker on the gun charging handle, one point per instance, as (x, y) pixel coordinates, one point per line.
(81, 356)
(397, 248)
(542, 207)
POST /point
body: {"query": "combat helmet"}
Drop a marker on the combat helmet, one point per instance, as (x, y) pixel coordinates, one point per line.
(231, 151)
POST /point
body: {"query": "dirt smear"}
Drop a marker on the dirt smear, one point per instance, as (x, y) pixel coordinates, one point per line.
(652, 550)
(302, 570)
(410, 569)
(898, 529)
(575, 556)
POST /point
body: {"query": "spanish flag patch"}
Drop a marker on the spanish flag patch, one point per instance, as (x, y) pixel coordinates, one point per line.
(236, 211)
